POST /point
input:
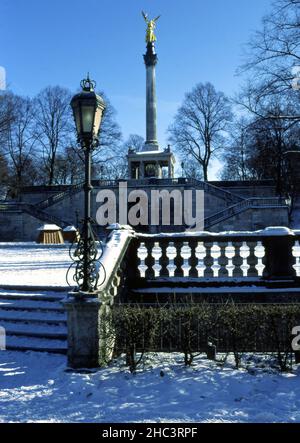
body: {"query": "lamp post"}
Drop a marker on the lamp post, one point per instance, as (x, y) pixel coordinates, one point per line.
(88, 108)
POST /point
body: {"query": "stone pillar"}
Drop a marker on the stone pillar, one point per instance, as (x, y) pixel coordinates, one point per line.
(150, 59)
(158, 169)
(142, 170)
(170, 169)
(278, 254)
(84, 340)
(129, 169)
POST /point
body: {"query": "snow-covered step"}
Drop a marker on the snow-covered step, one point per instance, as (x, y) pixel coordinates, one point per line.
(33, 316)
(30, 305)
(17, 343)
(34, 320)
(11, 295)
(33, 330)
(47, 335)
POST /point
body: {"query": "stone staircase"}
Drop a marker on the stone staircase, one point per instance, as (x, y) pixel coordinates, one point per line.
(44, 216)
(227, 196)
(242, 206)
(207, 187)
(35, 212)
(33, 320)
(38, 210)
(72, 190)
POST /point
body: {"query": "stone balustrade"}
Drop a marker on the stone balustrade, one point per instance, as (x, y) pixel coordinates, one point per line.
(271, 254)
(134, 262)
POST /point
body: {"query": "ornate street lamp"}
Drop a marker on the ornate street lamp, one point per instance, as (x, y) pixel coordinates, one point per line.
(88, 108)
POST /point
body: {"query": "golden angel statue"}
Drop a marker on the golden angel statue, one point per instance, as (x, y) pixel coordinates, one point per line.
(151, 25)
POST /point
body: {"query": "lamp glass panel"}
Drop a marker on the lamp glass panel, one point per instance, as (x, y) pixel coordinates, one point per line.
(98, 116)
(77, 119)
(87, 118)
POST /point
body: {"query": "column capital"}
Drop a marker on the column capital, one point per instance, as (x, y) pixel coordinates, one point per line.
(150, 58)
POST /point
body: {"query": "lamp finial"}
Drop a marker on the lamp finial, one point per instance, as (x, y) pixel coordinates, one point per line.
(87, 84)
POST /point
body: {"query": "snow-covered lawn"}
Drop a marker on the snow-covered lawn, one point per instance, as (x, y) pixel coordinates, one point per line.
(32, 264)
(35, 387)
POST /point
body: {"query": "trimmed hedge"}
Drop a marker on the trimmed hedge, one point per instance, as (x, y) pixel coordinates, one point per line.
(230, 327)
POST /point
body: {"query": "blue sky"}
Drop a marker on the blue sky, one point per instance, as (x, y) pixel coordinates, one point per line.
(53, 42)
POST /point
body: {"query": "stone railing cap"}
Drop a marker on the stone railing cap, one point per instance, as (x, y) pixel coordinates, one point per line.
(118, 227)
(278, 231)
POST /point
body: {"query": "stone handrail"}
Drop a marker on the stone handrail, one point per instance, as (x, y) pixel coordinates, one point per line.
(216, 191)
(115, 261)
(35, 212)
(44, 216)
(60, 196)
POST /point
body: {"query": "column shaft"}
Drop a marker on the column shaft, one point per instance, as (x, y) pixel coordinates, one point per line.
(151, 133)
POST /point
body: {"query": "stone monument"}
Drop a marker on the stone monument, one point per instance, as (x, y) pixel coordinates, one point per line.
(150, 161)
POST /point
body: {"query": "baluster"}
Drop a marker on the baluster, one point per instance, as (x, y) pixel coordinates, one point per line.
(164, 261)
(223, 273)
(171, 254)
(200, 254)
(252, 260)
(215, 252)
(156, 254)
(245, 253)
(209, 261)
(186, 255)
(230, 253)
(178, 259)
(259, 252)
(193, 260)
(149, 260)
(142, 254)
(296, 254)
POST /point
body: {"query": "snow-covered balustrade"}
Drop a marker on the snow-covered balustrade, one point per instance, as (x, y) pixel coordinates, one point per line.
(273, 253)
(151, 269)
(115, 263)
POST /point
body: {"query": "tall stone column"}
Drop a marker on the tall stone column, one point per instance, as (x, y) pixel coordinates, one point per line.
(150, 59)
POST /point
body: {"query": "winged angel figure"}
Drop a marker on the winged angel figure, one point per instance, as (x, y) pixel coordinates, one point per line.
(151, 25)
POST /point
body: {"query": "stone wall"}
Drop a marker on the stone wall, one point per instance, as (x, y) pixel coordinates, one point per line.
(18, 226)
(15, 226)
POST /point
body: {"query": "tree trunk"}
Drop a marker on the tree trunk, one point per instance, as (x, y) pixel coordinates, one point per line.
(205, 174)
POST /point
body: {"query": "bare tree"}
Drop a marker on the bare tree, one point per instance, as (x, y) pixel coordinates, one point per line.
(273, 58)
(258, 146)
(270, 139)
(69, 167)
(54, 128)
(6, 111)
(110, 134)
(20, 142)
(6, 116)
(237, 154)
(4, 175)
(190, 168)
(135, 142)
(200, 125)
(38, 139)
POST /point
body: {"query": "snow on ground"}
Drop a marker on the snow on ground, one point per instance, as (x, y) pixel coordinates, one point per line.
(32, 264)
(36, 387)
